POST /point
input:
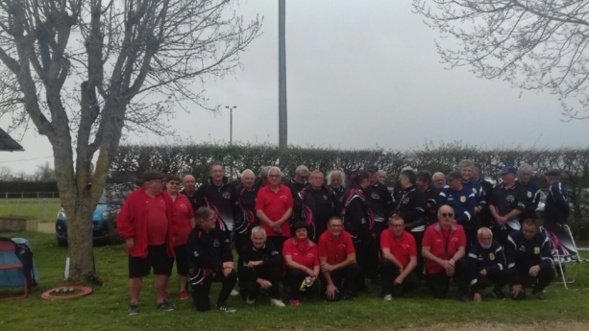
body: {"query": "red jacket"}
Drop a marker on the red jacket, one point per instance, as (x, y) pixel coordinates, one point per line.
(131, 222)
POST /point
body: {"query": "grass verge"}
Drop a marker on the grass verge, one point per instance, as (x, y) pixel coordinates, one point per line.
(106, 308)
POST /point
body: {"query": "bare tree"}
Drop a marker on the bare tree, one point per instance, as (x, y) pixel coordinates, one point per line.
(82, 70)
(534, 45)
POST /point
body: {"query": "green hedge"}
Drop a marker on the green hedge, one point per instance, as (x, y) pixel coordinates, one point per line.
(132, 160)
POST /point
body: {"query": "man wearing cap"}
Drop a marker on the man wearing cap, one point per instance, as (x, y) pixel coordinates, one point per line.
(556, 209)
(508, 201)
(462, 200)
(145, 222)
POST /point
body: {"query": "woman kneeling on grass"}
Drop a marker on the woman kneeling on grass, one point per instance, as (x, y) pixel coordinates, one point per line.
(302, 262)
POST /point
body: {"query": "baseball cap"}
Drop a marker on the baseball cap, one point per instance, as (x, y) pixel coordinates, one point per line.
(152, 174)
(508, 170)
(552, 172)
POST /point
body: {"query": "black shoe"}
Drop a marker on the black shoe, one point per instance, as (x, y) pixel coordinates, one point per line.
(133, 309)
(498, 293)
(165, 306)
(226, 309)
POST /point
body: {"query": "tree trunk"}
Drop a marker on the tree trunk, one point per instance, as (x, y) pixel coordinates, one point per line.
(80, 244)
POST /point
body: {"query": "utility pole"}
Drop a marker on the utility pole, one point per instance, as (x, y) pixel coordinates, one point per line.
(230, 123)
(282, 120)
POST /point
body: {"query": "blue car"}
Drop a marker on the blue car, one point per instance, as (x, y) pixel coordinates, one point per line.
(103, 220)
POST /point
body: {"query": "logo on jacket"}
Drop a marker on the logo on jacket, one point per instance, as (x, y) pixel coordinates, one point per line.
(522, 248)
(510, 198)
(375, 196)
(325, 197)
(474, 190)
(216, 243)
(529, 194)
(462, 199)
(227, 195)
(536, 250)
(283, 198)
(405, 201)
(491, 256)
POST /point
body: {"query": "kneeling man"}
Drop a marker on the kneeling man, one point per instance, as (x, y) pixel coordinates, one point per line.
(210, 259)
(487, 265)
(338, 262)
(529, 260)
(399, 259)
(260, 268)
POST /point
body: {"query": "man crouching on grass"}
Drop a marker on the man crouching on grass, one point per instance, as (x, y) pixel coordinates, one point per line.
(210, 259)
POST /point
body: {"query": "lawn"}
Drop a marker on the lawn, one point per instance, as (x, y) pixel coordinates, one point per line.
(106, 308)
(31, 207)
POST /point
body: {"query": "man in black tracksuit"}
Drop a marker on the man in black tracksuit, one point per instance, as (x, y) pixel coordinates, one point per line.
(411, 208)
(221, 196)
(487, 265)
(210, 259)
(260, 267)
(556, 209)
(508, 201)
(379, 200)
(424, 184)
(319, 204)
(529, 260)
(359, 224)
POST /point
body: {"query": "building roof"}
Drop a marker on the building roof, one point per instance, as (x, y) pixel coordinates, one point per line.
(8, 144)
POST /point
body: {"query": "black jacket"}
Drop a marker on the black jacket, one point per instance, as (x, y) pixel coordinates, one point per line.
(356, 215)
(556, 209)
(223, 200)
(380, 201)
(247, 219)
(411, 207)
(207, 252)
(491, 259)
(521, 254)
(318, 206)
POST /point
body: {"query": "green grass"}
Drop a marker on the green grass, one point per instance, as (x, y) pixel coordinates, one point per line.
(30, 207)
(106, 308)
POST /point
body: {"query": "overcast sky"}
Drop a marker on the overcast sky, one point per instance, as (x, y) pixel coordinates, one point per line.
(360, 74)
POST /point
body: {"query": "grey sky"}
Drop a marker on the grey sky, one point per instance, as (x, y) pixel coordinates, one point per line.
(361, 74)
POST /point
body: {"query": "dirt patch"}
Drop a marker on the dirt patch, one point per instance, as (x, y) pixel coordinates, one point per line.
(46, 227)
(569, 326)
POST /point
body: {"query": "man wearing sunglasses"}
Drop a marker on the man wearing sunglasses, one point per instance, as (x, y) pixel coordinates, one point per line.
(443, 248)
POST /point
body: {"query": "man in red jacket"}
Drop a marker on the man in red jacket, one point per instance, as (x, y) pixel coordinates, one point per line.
(145, 222)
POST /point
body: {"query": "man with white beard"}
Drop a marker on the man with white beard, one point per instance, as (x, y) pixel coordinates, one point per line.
(487, 265)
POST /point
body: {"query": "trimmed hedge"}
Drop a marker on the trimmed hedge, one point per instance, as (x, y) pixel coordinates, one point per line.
(132, 160)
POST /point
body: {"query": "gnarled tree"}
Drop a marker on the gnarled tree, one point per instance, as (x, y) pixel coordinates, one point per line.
(83, 70)
(533, 44)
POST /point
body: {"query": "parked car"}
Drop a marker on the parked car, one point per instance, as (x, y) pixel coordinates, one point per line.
(104, 217)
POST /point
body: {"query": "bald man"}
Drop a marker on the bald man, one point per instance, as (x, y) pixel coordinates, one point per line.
(189, 190)
(487, 265)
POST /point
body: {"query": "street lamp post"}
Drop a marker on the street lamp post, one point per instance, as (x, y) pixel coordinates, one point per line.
(230, 123)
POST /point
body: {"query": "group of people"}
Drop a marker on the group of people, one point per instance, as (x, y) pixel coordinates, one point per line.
(336, 236)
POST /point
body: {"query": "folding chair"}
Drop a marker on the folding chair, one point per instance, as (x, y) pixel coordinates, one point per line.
(12, 270)
(564, 251)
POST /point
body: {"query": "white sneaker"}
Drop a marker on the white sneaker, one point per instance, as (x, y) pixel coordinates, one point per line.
(388, 297)
(234, 293)
(250, 301)
(277, 303)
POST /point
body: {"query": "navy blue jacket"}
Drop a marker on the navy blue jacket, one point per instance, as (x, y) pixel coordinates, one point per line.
(463, 203)
(522, 254)
(556, 210)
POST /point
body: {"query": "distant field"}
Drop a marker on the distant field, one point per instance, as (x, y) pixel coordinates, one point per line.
(30, 207)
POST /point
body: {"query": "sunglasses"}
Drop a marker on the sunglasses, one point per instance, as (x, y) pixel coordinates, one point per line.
(447, 214)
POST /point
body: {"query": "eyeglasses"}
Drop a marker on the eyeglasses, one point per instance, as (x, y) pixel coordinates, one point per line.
(174, 183)
(446, 214)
